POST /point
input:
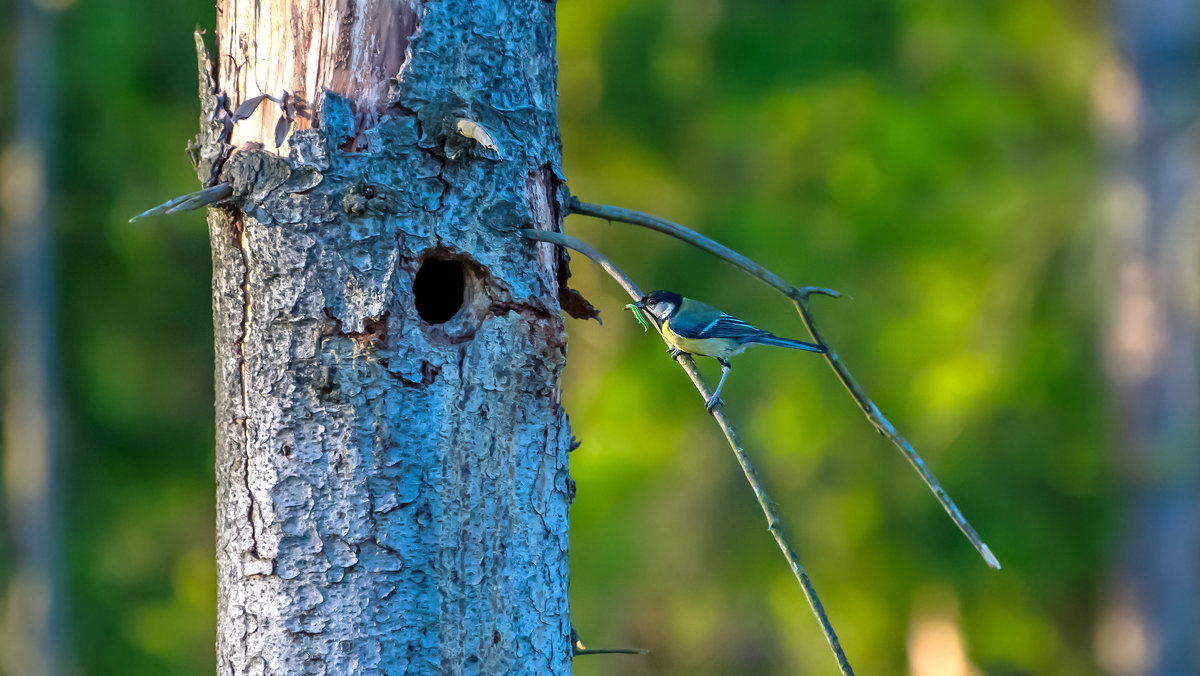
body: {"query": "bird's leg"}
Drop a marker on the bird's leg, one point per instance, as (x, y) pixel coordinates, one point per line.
(675, 352)
(716, 395)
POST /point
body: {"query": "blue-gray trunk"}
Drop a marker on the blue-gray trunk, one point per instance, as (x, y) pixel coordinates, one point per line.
(1151, 625)
(34, 633)
(391, 448)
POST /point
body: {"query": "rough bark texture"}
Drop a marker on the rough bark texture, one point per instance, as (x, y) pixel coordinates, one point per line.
(1153, 344)
(392, 490)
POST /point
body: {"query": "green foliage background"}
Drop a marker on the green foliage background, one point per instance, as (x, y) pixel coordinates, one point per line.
(934, 160)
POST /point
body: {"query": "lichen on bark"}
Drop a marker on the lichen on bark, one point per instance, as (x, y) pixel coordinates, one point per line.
(393, 493)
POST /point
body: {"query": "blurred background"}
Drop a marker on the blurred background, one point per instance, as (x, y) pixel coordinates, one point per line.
(1006, 188)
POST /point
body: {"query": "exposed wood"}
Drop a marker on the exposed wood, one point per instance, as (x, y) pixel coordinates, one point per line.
(302, 48)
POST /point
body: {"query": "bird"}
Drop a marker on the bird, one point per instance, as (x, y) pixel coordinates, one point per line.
(692, 327)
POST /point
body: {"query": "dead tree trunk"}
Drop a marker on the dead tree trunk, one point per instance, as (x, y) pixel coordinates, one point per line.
(392, 480)
(1153, 344)
(34, 636)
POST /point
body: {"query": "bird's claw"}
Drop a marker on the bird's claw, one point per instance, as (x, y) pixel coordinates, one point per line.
(713, 402)
(675, 352)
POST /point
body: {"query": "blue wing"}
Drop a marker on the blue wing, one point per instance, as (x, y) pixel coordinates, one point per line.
(700, 321)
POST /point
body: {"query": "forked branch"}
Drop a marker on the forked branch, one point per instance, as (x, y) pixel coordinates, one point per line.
(774, 524)
(800, 298)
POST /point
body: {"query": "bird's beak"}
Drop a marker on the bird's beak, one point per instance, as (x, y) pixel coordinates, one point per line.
(641, 304)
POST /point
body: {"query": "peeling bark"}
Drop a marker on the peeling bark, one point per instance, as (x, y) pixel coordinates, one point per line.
(392, 488)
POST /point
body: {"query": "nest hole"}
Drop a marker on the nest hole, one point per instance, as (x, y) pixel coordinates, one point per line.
(438, 289)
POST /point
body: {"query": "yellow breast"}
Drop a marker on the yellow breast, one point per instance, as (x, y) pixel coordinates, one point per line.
(721, 348)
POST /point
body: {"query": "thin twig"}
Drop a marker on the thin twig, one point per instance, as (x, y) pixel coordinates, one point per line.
(192, 200)
(691, 237)
(800, 297)
(774, 524)
(885, 428)
(578, 648)
(611, 651)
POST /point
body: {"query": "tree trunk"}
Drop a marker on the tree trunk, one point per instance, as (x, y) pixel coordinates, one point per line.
(392, 480)
(1151, 625)
(34, 638)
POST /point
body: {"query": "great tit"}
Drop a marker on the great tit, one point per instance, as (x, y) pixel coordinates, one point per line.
(692, 327)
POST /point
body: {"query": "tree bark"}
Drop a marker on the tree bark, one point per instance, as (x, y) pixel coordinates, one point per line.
(392, 480)
(1153, 346)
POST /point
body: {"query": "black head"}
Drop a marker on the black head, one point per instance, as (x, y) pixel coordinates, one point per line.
(661, 304)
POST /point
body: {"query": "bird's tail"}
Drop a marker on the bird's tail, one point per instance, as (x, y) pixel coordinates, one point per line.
(788, 342)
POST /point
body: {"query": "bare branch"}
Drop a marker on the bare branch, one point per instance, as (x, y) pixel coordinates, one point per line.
(885, 427)
(587, 250)
(610, 651)
(578, 648)
(192, 200)
(800, 298)
(774, 524)
(691, 237)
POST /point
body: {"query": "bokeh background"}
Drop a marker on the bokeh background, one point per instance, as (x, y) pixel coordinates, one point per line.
(1006, 188)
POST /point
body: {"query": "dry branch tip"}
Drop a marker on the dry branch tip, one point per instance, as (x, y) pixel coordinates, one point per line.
(804, 292)
(192, 200)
